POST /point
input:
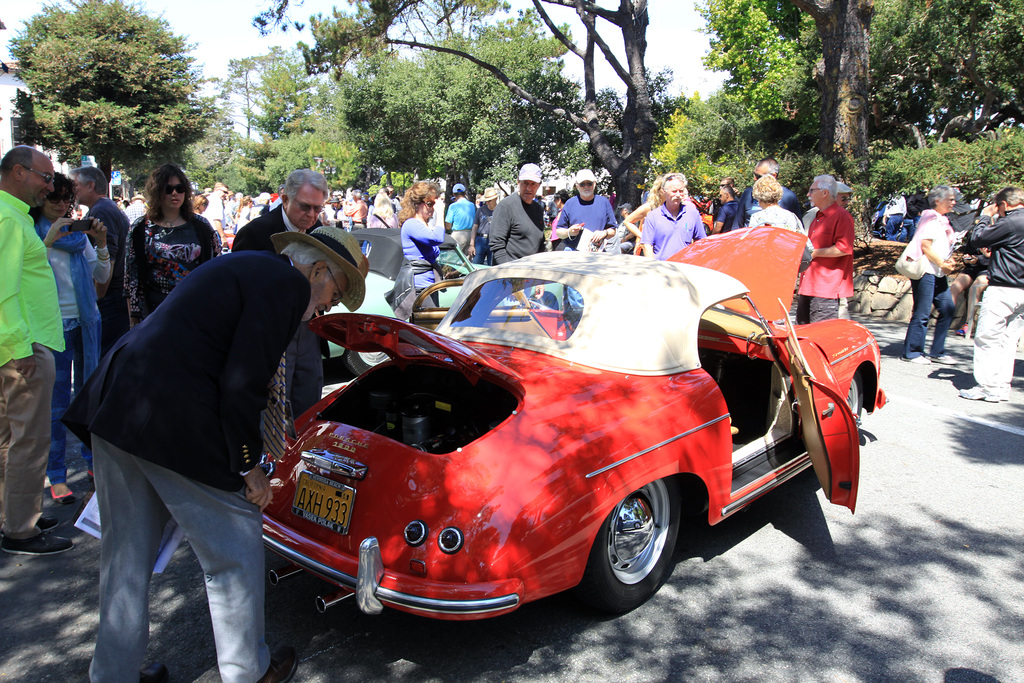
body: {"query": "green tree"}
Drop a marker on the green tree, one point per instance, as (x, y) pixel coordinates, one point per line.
(285, 100)
(106, 79)
(374, 25)
(943, 69)
(432, 114)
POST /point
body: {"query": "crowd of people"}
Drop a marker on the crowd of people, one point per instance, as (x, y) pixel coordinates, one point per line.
(115, 310)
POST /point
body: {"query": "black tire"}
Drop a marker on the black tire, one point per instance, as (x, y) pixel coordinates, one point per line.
(613, 584)
(358, 362)
(855, 397)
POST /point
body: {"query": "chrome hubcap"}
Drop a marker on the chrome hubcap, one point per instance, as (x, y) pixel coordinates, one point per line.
(639, 526)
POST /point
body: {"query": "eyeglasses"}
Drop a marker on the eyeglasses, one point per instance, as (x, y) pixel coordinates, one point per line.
(430, 204)
(814, 189)
(586, 183)
(180, 188)
(60, 200)
(47, 178)
(339, 290)
(724, 185)
(306, 208)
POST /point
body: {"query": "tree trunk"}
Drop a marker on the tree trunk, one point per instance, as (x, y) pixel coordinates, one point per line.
(843, 26)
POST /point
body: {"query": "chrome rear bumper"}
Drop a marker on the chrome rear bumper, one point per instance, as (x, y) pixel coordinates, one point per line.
(369, 591)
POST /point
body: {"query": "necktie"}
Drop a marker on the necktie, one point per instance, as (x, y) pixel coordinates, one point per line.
(275, 419)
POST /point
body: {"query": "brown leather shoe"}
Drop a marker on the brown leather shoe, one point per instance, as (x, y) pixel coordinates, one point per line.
(283, 664)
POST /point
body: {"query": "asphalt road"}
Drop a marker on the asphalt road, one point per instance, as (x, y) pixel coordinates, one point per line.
(924, 583)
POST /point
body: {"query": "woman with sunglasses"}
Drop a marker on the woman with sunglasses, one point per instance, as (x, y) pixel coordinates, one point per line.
(77, 266)
(421, 242)
(167, 243)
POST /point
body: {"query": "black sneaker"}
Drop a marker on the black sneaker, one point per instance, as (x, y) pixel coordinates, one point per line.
(46, 522)
(40, 544)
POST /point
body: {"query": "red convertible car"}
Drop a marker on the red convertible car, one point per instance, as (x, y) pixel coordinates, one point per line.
(567, 410)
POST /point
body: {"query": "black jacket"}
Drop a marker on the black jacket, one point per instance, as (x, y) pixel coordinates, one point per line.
(1005, 237)
(255, 235)
(184, 389)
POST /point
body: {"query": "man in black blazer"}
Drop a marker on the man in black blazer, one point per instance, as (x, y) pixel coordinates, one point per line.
(302, 200)
(173, 415)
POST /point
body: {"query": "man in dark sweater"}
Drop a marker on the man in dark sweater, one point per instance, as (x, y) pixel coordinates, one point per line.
(1001, 323)
(517, 226)
(91, 190)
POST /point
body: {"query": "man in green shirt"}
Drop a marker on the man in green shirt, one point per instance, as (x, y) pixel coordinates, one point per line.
(30, 327)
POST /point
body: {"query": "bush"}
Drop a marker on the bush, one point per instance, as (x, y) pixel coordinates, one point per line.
(979, 168)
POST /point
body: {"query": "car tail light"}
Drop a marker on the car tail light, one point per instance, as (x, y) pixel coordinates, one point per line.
(415, 533)
(450, 540)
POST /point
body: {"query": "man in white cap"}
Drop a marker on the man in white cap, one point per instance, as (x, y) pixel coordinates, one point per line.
(587, 219)
(173, 417)
(458, 220)
(479, 244)
(517, 227)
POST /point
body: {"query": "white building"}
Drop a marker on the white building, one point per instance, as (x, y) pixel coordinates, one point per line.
(10, 84)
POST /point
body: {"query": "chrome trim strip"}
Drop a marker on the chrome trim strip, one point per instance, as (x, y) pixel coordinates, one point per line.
(783, 474)
(414, 602)
(851, 353)
(656, 446)
(334, 462)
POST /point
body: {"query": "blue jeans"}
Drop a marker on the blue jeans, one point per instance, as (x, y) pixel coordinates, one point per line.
(929, 291)
(894, 228)
(70, 360)
(483, 251)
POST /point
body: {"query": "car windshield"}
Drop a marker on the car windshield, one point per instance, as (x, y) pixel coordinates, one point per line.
(523, 305)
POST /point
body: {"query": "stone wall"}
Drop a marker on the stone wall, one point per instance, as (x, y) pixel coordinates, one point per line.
(888, 297)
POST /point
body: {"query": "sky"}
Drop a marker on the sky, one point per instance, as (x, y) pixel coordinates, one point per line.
(223, 30)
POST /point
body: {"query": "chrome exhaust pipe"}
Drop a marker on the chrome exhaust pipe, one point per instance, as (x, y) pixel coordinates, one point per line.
(323, 603)
(276, 576)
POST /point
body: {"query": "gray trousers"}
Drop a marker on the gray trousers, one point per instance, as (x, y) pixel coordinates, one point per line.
(304, 370)
(136, 498)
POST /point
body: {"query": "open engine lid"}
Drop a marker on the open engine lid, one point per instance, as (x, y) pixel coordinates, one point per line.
(765, 259)
(404, 342)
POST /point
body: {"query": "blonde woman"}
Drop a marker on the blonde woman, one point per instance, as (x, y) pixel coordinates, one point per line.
(634, 222)
(383, 214)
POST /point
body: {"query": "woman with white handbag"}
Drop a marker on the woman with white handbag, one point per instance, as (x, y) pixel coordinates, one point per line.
(932, 247)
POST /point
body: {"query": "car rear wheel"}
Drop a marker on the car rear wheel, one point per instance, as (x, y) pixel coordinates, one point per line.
(855, 398)
(359, 362)
(630, 557)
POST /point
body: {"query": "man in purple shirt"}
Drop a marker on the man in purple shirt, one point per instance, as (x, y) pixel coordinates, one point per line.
(674, 224)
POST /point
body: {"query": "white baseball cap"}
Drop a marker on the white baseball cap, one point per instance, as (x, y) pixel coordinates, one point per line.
(585, 175)
(531, 172)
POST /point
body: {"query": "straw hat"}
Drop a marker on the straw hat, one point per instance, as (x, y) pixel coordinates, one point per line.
(489, 194)
(341, 250)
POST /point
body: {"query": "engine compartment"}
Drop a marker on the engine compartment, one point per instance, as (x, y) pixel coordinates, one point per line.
(432, 408)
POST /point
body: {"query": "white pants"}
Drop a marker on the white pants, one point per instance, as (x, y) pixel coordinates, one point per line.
(995, 343)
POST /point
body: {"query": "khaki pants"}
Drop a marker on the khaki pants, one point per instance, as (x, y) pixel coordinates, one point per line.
(24, 443)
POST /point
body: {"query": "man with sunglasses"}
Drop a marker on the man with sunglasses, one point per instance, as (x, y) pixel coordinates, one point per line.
(91, 190)
(747, 206)
(302, 201)
(30, 330)
(588, 214)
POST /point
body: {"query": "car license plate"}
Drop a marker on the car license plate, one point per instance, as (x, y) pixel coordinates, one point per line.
(324, 502)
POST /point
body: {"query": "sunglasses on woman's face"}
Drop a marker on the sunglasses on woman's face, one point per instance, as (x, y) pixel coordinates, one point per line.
(179, 188)
(57, 199)
(430, 203)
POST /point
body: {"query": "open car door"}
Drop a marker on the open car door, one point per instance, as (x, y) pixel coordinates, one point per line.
(829, 427)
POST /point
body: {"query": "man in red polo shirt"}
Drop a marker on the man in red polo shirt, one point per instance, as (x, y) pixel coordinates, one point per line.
(829, 278)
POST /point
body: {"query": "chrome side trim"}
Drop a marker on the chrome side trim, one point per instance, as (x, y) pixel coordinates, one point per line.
(782, 475)
(656, 446)
(413, 602)
(851, 353)
(334, 463)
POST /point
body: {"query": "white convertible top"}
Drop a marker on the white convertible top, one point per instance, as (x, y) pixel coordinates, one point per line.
(640, 316)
